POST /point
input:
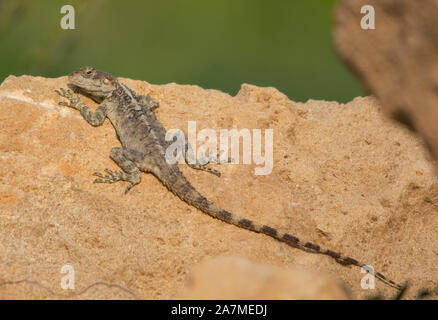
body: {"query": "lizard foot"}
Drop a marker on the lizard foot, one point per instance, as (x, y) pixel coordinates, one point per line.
(114, 176)
(67, 93)
(204, 168)
(218, 160)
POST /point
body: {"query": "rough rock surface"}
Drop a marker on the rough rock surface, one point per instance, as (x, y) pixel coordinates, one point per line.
(233, 278)
(344, 176)
(397, 60)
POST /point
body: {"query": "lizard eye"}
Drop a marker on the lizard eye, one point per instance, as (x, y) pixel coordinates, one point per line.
(105, 81)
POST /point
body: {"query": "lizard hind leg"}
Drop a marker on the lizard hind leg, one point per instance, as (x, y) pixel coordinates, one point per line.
(124, 159)
(202, 167)
(197, 165)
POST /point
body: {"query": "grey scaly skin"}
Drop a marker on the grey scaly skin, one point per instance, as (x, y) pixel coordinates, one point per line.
(143, 150)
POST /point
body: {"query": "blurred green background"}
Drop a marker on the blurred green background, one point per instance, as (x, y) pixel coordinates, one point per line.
(216, 44)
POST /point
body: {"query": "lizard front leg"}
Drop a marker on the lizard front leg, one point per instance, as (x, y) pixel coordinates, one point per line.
(131, 173)
(94, 118)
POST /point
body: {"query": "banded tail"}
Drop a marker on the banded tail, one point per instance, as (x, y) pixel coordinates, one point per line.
(174, 180)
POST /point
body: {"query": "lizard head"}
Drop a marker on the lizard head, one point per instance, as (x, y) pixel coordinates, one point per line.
(96, 83)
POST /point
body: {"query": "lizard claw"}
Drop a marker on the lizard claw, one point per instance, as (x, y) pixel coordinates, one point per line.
(213, 171)
(68, 94)
(62, 92)
(63, 103)
(100, 175)
(129, 187)
(113, 176)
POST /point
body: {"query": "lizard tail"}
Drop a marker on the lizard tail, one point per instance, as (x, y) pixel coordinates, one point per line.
(179, 186)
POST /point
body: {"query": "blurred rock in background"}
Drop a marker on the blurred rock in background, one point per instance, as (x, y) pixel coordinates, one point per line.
(398, 60)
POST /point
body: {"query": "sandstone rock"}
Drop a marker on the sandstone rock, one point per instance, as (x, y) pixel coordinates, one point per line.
(236, 278)
(398, 60)
(344, 176)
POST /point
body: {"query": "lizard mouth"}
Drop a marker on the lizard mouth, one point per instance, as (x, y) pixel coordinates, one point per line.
(88, 93)
(79, 83)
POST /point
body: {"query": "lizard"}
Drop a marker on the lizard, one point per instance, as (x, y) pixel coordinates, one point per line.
(143, 147)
